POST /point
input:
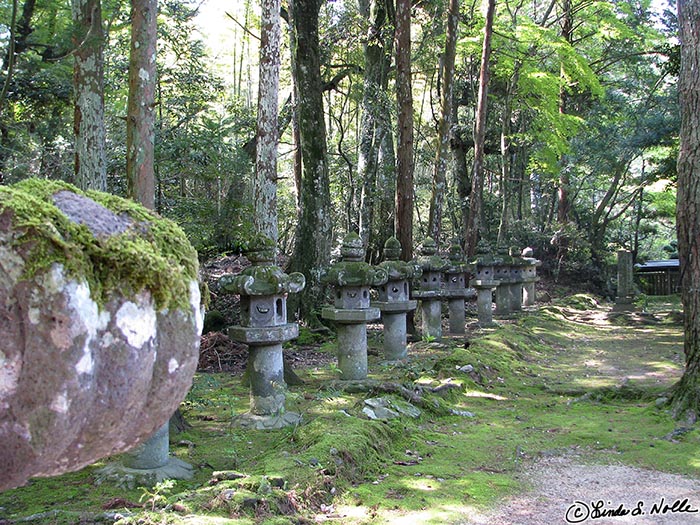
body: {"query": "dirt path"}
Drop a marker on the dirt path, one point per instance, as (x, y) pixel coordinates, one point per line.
(564, 488)
(567, 489)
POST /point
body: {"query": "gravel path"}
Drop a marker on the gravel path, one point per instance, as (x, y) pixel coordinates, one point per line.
(562, 488)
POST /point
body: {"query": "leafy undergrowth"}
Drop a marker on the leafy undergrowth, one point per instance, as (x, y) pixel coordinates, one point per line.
(566, 377)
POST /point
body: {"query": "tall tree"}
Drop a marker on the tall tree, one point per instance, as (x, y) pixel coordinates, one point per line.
(404, 153)
(444, 132)
(88, 87)
(686, 398)
(140, 121)
(567, 34)
(374, 12)
(314, 231)
(265, 180)
(477, 190)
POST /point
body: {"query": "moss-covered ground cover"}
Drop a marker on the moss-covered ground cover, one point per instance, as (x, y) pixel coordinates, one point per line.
(569, 377)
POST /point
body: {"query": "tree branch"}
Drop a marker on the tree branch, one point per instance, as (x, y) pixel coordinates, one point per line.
(256, 37)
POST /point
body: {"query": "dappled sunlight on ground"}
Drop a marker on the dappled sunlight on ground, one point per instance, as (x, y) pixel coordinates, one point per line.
(487, 395)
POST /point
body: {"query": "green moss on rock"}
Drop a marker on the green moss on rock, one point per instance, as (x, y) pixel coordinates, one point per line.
(152, 254)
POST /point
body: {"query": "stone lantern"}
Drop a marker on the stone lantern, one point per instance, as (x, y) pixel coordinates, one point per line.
(455, 289)
(352, 278)
(529, 277)
(484, 283)
(429, 288)
(394, 301)
(517, 280)
(501, 268)
(263, 288)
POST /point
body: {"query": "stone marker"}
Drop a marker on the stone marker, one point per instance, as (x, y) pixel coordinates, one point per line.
(352, 278)
(428, 290)
(625, 281)
(455, 289)
(502, 273)
(484, 283)
(99, 326)
(394, 300)
(263, 288)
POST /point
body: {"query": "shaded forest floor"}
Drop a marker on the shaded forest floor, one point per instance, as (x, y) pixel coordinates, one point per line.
(506, 420)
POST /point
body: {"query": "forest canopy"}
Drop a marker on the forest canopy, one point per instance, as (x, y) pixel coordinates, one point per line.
(580, 127)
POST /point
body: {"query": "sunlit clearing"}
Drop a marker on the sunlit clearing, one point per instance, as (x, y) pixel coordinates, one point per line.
(425, 484)
(488, 395)
(435, 516)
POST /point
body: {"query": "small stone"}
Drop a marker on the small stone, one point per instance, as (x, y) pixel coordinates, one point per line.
(314, 462)
(406, 409)
(661, 402)
(376, 402)
(462, 413)
(380, 413)
(466, 369)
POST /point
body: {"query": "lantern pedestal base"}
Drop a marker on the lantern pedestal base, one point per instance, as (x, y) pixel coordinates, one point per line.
(147, 464)
(131, 478)
(484, 299)
(267, 422)
(431, 318)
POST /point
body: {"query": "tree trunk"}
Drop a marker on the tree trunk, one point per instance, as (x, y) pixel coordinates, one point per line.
(686, 397)
(140, 113)
(385, 218)
(265, 179)
(506, 154)
(404, 154)
(88, 84)
(444, 127)
(563, 201)
(368, 154)
(314, 232)
(477, 190)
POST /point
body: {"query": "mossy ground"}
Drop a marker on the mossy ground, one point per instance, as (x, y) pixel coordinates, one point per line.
(548, 382)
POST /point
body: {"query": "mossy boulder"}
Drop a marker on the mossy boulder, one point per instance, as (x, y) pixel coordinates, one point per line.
(99, 326)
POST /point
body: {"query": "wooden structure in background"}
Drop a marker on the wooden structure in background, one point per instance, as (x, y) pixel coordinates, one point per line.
(659, 277)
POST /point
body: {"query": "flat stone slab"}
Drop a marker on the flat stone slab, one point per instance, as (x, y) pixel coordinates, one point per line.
(427, 294)
(351, 316)
(458, 294)
(387, 408)
(267, 335)
(395, 306)
(484, 283)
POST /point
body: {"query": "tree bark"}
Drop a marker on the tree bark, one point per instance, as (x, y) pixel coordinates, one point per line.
(265, 179)
(404, 154)
(368, 154)
(506, 154)
(444, 126)
(314, 232)
(140, 122)
(477, 190)
(563, 199)
(88, 84)
(686, 397)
